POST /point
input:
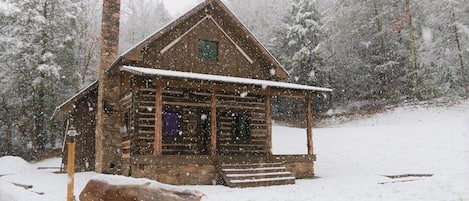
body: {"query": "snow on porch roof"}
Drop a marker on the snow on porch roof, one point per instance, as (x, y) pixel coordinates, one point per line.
(219, 78)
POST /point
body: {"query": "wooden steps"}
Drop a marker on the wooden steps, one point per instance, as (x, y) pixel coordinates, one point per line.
(256, 174)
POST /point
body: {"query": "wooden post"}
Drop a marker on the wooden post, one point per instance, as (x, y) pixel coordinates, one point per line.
(309, 124)
(158, 145)
(71, 168)
(268, 122)
(213, 124)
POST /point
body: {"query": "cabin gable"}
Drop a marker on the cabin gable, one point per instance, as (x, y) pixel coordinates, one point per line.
(176, 47)
(185, 55)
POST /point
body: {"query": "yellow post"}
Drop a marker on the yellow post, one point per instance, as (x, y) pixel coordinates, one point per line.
(71, 163)
(71, 170)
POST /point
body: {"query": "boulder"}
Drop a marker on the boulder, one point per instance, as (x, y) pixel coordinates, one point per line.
(119, 188)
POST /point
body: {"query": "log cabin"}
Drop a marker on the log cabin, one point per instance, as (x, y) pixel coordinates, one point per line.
(190, 104)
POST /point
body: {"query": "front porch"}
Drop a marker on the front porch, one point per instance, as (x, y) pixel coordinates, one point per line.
(207, 170)
(185, 128)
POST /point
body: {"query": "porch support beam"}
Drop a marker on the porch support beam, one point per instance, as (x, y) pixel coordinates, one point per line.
(158, 148)
(309, 124)
(213, 124)
(268, 122)
(229, 87)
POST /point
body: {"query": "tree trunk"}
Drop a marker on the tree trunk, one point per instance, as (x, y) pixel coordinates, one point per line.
(380, 28)
(465, 85)
(39, 133)
(413, 54)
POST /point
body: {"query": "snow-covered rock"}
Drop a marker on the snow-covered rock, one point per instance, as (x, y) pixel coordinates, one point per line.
(120, 188)
(12, 164)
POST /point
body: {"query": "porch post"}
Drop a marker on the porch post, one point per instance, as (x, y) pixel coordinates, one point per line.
(157, 145)
(268, 122)
(309, 124)
(213, 124)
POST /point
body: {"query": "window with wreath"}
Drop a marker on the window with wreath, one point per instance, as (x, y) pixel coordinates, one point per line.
(241, 130)
(208, 50)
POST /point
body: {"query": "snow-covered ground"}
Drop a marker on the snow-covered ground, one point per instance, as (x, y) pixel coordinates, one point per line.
(351, 162)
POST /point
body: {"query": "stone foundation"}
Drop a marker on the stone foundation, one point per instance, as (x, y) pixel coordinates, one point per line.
(204, 170)
(178, 174)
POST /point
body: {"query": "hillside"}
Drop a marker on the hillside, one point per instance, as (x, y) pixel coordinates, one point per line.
(352, 161)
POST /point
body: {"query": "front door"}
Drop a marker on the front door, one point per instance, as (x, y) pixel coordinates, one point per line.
(204, 133)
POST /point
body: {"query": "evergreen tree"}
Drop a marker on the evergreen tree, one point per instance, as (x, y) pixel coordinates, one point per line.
(440, 48)
(262, 17)
(363, 56)
(42, 63)
(303, 37)
(298, 48)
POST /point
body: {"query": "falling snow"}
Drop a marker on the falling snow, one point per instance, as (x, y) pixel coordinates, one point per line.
(346, 168)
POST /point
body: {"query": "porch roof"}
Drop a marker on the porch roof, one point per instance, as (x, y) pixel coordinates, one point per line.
(220, 78)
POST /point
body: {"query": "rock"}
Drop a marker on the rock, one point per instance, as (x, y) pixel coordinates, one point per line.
(107, 188)
(13, 165)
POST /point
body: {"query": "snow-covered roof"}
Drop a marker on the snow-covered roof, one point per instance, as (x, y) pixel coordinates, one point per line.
(220, 78)
(74, 98)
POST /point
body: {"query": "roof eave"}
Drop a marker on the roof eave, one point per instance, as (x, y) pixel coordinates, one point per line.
(219, 78)
(61, 110)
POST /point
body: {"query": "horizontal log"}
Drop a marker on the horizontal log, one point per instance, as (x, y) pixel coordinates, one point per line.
(145, 132)
(126, 144)
(145, 102)
(146, 119)
(212, 160)
(225, 95)
(242, 145)
(126, 155)
(257, 125)
(180, 145)
(146, 125)
(242, 151)
(146, 113)
(143, 138)
(224, 140)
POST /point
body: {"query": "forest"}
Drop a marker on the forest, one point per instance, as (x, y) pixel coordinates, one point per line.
(373, 53)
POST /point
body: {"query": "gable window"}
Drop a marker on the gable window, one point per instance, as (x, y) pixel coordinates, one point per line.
(208, 50)
(171, 124)
(241, 129)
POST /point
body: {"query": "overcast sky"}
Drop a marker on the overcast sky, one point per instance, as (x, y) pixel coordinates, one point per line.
(177, 7)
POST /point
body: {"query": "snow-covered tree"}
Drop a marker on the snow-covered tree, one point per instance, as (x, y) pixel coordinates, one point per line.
(262, 17)
(298, 42)
(303, 37)
(140, 19)
(89, 24)
(363, 57)
(441, 48)
(42, 65)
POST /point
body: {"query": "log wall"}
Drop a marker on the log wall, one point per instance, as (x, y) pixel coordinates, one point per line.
(193, 108)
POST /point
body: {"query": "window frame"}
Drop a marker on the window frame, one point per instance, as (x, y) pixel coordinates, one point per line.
(178, 132)
(205, 53)
(245, 134)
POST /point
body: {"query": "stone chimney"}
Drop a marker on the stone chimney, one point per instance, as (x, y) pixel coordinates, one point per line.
(110, 32)
(105, 154)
